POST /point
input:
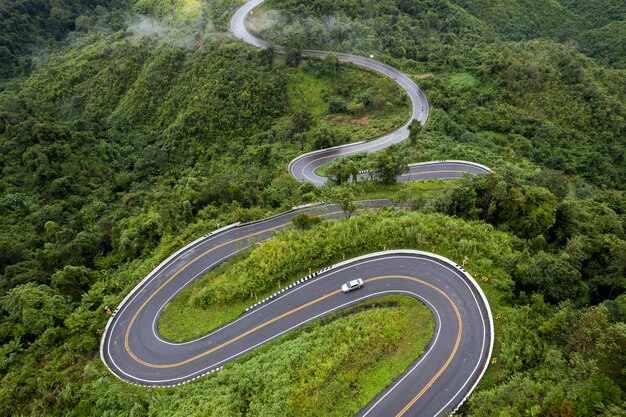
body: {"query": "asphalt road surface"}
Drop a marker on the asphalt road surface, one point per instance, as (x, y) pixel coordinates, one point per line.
(133, 349)
(438, 382)
(303, 167)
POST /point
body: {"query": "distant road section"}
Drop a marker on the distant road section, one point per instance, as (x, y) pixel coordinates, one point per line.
(304, 166)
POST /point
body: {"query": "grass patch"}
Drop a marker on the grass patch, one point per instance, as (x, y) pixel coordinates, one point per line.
(404, 194)
(463, 80)
(322, 171)
(186, 319)
(305, 93)
(310, 89)
(367, 371)
(415, 338)
(224, 293)
(333, 366)
(371, 125)
(183, 320)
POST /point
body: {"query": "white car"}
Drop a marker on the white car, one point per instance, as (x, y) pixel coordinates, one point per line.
(352, 285)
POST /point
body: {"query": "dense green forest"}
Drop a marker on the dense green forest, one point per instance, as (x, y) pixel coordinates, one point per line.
(539, 98)
(28, 26)
(128, 128)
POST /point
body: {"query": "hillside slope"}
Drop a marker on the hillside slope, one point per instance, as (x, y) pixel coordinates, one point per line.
(129, 130)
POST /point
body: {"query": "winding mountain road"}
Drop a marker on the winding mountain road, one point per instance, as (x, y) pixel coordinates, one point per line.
(303, 167)
(438, 382)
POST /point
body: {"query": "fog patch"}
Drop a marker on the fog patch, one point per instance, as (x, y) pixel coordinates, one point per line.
(270, 20)
(147, 26)
(185, 36)
(332, 32)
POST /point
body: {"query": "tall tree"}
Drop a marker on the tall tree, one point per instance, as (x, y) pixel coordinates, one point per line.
(385, 166)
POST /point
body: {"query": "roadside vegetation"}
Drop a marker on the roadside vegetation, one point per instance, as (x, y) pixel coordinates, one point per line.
(503, 87)
(333, 366)
(292, 253)
(130, 128)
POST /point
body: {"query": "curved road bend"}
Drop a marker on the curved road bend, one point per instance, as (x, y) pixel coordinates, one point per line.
(438, 382)
(304, 166)
(133, 349)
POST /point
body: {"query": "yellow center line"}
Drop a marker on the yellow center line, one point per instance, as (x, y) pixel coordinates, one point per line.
(241, 336)
(184, 267)
(267, 323)
(343, 153)
(308, 304)
(452, 355)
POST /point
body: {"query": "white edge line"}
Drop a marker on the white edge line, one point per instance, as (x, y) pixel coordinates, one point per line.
(470, 278)
(297, 158)
(152, 273)
(443, 259)
(453, 161)
(241, 353)
(185, 248)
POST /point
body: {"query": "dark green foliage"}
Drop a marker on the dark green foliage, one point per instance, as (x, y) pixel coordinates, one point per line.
(331, 64)
(557, 280)
(73, 281)
(323, 137)
(385, 166)
(346, 202)
(342, 170)
(607, 43)
(554, 181)
(29, 24)
(418, 29)
(311, 372)
(337, 105)
(34, 309)
(118, 146)
(414, 130)
(122, 143)
(561, 362)
(295, 251)
(526, 210)
(587, 263)
(103, 177)
(293, 57)
(487, 90)
(597, 12)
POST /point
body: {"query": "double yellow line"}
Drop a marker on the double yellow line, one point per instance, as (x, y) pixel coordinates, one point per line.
(288, 313)
(183, 268)
(447, 171)
(342, 154)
